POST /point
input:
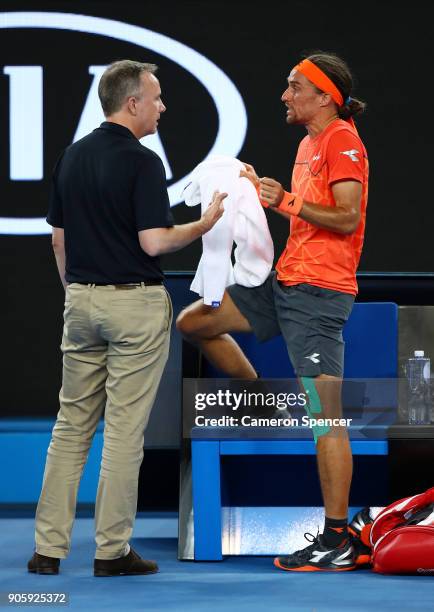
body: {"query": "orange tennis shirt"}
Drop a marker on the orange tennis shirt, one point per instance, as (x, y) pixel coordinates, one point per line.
(317, 256)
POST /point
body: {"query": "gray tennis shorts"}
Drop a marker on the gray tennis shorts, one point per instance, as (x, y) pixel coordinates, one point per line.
(310, 319)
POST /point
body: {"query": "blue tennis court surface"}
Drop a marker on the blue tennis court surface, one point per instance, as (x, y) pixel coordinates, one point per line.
(237, 584)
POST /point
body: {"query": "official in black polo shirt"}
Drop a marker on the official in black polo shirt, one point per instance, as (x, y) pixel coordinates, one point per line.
(111, 220)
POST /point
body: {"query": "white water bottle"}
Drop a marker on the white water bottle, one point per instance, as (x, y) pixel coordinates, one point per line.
(418, 371)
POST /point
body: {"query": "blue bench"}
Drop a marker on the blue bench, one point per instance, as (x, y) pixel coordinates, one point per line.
(206, 463)
(371, 337)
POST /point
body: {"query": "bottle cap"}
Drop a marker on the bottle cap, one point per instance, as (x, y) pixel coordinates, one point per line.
(419, 353)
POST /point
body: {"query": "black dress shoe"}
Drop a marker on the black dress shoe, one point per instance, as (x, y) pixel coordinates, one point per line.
(130, 565)
(40, 564)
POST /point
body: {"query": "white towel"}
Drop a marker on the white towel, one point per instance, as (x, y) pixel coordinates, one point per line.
(243, 222)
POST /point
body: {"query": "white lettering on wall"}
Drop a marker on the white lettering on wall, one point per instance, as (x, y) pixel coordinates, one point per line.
(26, 122)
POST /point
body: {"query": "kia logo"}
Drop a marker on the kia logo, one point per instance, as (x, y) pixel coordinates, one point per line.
(26, 153)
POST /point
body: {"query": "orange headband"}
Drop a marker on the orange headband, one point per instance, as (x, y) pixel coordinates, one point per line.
(321, 80)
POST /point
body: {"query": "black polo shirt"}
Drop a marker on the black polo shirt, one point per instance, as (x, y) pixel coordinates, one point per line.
(106, 188)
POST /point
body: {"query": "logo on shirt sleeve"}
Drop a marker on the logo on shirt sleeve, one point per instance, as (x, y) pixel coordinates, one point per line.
(352, 154)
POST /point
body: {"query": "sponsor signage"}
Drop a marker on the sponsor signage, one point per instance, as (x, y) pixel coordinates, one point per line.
(26, 121)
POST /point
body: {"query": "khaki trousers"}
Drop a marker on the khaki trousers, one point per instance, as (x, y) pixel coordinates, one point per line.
(115, 346)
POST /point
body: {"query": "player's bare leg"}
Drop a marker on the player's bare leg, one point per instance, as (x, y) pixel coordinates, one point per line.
(208, 327)
(335, 461)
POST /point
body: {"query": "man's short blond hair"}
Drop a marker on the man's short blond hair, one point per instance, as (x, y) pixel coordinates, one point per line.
(120, 81)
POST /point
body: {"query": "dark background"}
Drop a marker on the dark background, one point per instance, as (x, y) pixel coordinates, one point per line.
(385, 45)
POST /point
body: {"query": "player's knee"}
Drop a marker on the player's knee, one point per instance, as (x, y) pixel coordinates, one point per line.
(182, 323)
(187, 324)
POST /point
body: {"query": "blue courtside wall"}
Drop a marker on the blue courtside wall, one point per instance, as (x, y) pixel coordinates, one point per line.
(23, 448)
(371, 341)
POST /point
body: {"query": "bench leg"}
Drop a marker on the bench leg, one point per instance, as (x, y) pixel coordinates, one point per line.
(205, 457)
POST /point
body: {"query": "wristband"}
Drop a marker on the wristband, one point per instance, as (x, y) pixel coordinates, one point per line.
(291, 203)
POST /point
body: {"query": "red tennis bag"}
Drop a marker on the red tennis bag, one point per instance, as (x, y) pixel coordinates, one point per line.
(402, 536)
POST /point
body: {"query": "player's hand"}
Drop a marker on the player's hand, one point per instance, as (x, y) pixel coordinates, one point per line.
(270, 191)
(214, 211)
(250, 173)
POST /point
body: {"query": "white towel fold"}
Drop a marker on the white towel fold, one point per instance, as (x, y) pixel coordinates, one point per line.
(243, 222)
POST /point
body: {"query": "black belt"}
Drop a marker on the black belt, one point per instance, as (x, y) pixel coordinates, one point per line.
(145, 282)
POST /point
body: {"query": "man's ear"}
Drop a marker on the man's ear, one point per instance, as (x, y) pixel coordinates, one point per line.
(131, 105)
(326, 98)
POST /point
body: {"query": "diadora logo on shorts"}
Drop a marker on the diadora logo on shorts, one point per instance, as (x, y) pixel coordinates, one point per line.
(26, 102)
(313, 357)
(351, 154)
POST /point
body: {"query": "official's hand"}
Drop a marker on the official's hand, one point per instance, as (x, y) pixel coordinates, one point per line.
(270, 191)
(214, 211)
(250, 173)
